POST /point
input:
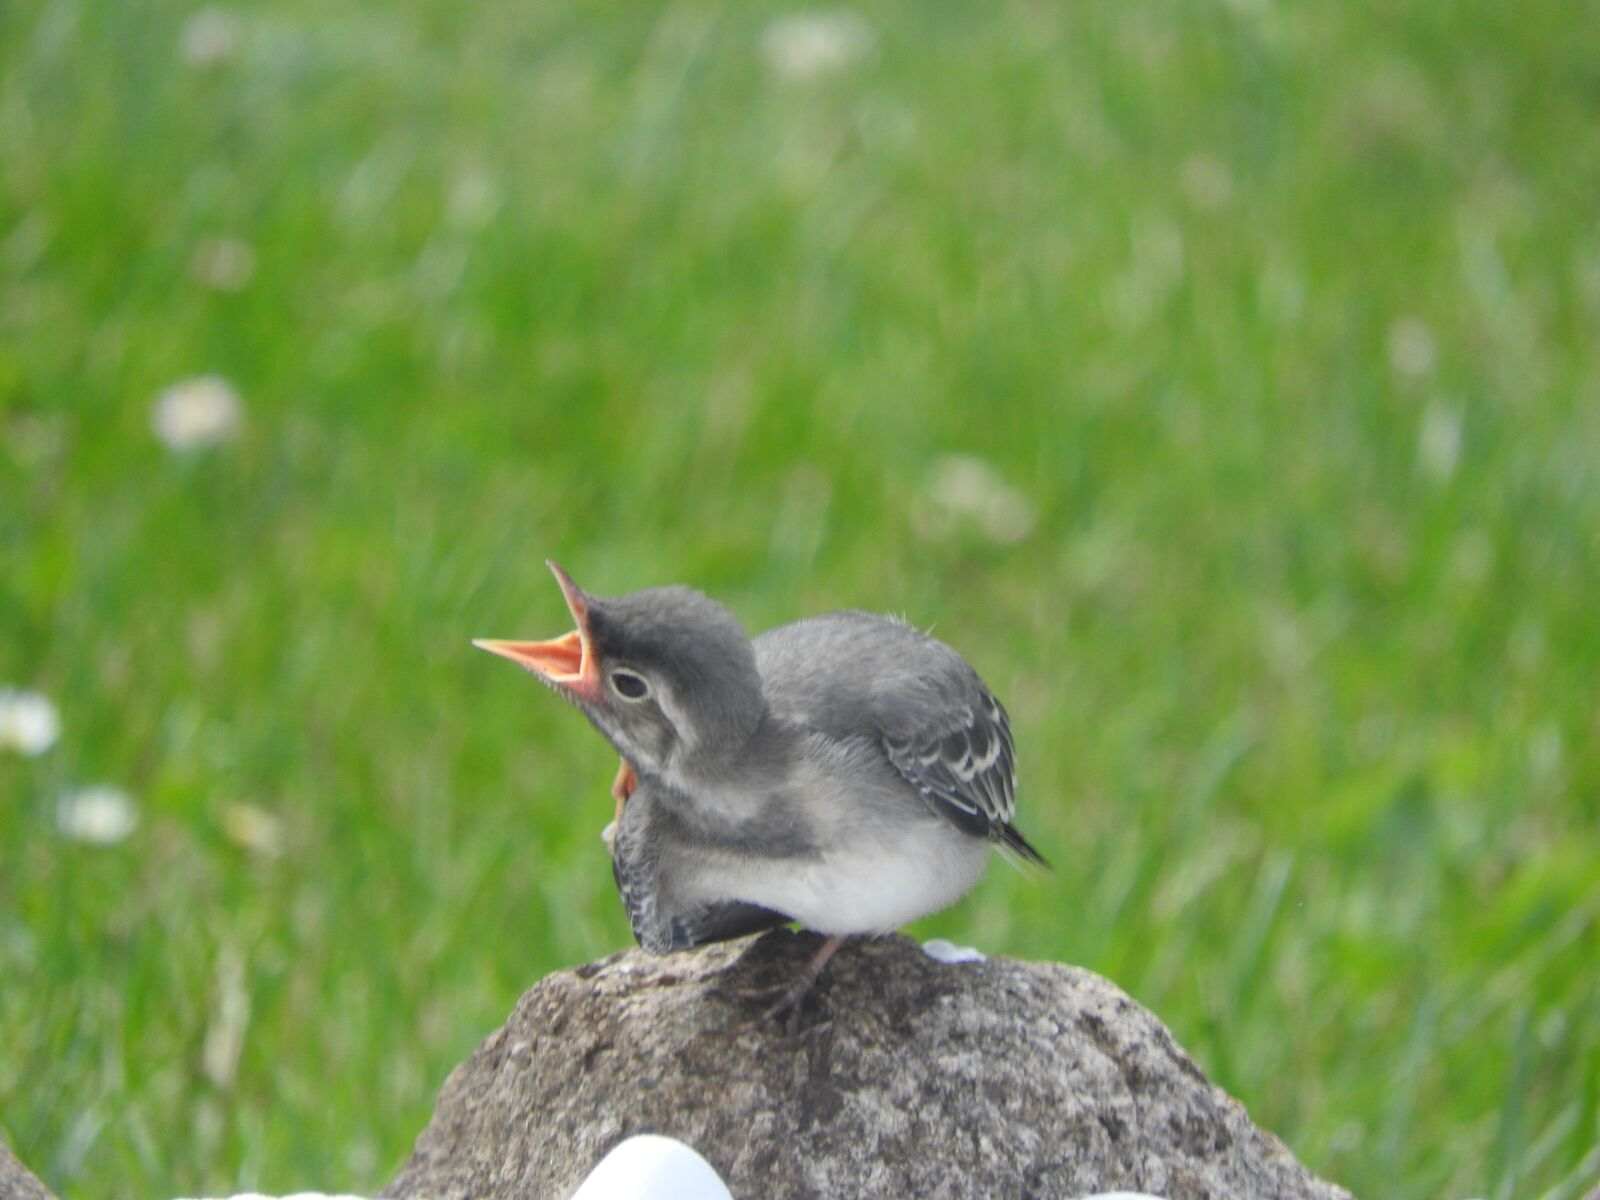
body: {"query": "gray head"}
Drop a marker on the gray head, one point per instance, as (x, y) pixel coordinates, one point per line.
(666, 675)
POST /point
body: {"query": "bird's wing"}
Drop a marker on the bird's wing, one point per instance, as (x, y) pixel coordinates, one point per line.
(659, 924)
(847, 674)
(962, 760)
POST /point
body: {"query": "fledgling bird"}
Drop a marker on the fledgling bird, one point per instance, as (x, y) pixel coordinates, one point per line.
(844, 771)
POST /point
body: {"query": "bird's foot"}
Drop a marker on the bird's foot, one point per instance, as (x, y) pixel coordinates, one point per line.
(785, 999)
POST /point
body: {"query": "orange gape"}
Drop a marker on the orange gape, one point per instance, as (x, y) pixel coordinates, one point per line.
(622, 786)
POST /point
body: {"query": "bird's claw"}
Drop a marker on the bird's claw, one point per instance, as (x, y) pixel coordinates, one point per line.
(784, 1000)
(785, 1006)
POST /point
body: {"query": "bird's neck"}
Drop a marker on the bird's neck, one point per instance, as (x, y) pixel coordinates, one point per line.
(730, 762)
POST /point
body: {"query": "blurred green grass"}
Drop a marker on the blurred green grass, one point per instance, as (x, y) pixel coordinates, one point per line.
(1282, 319)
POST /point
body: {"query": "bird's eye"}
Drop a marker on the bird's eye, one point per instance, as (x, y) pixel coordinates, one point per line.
(630, 685)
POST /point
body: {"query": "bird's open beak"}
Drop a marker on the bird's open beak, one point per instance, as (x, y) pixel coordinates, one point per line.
(568, 662)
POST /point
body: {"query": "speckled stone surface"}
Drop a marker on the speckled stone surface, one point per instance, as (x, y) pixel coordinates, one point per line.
(905, 1077)
(16, 1183)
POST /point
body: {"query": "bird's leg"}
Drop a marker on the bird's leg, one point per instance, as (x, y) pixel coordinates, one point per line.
(622, 786)
(786, 997)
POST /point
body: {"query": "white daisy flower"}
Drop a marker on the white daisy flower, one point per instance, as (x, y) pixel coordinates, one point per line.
(804, 46)
(197, 413)
(224, 264)
(210, 38)
(100, 815)
(963, 490)
(29, 723)
(253, 829)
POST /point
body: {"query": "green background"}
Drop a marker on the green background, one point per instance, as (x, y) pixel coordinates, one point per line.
(1273, 325)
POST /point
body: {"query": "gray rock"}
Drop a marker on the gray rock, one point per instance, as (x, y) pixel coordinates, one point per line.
(16, 1183)
(905, 1077)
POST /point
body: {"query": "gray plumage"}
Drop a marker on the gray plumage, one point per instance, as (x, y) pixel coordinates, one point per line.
(856, 675)
(651, 854)
(845, 771)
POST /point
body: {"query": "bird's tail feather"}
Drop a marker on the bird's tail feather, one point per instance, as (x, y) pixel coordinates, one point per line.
(1019, 849)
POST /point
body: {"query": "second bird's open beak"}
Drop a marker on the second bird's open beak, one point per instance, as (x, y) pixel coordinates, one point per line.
(568, 662)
